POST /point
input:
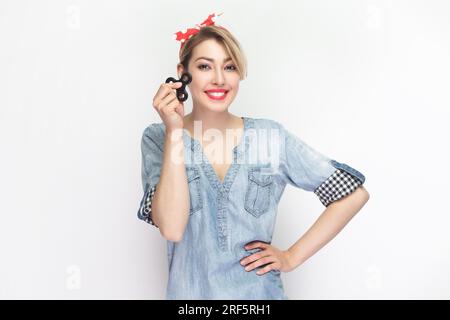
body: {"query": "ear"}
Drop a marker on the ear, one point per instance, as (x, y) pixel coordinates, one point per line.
(180, 70)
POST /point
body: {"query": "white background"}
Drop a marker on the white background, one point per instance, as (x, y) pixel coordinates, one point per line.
(364, 82)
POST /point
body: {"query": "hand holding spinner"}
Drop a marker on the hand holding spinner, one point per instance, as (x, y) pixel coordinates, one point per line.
(185, 79)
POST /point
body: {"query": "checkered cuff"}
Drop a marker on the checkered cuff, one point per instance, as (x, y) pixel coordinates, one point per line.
(337, 186)
(145, 209)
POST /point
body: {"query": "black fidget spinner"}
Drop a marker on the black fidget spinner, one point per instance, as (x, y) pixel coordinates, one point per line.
(185, 79)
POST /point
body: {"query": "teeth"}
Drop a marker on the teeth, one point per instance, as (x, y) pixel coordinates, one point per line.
(216, 94)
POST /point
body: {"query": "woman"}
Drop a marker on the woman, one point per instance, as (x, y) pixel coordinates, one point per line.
(216, 202)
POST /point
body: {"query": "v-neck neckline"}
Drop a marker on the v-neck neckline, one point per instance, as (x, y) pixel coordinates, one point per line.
(220, 185)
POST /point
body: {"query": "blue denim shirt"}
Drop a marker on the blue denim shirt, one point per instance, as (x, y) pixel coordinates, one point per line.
(226, 215)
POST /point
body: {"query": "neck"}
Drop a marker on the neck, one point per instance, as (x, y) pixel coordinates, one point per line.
(210, 120)
(217, 120)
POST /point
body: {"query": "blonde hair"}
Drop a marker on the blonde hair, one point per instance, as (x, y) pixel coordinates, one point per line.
(225, 38)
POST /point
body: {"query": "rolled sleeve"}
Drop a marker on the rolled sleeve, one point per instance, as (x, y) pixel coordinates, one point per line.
(152, 157)
(341, 183)
(305, 167)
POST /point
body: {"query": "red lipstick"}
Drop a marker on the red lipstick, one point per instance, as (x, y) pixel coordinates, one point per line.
(216, 94)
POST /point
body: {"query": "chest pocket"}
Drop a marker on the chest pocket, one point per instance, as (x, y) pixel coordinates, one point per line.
(195, 195)
(259, 191)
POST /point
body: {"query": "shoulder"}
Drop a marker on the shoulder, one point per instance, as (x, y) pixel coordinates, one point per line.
(154, 131)
(264, 123)
(266, 127)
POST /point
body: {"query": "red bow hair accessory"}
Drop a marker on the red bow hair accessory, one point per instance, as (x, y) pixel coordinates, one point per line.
(185, 34)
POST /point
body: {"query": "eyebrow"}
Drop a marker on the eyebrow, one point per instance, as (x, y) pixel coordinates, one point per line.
(212, 60)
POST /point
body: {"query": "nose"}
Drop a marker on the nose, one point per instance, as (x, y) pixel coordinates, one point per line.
(219, 78)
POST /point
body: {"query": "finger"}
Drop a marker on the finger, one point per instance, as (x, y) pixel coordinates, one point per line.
(164, 90)
(175, 85)
(172, 86)
(169, 109)
(180, 109)
(255, 244)
(260, 262)
(173, 105)
(254, 257)
(170, 98)
(266, 269)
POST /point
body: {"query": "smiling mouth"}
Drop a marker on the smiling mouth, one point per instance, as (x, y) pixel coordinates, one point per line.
(216, 95)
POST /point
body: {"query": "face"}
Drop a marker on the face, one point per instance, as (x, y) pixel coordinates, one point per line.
(215, 79)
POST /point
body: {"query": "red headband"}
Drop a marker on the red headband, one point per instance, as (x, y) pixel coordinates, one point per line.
(186, 34)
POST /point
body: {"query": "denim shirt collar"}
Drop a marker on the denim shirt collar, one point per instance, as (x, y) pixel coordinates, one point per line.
(194, 156)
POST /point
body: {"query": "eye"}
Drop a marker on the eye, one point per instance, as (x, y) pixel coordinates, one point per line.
(203, 66)
(231, 67)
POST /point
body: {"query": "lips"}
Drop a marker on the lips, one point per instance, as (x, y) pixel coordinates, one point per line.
(216, 94)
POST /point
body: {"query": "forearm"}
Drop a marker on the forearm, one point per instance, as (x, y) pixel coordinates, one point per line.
(170, 205)
(327, 226)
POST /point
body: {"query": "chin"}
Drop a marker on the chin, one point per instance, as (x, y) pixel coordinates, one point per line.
(213, 106)
(216, 108)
